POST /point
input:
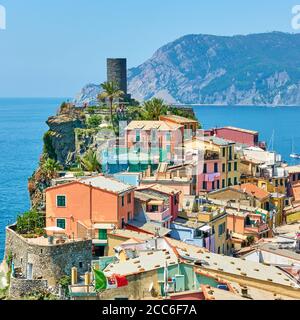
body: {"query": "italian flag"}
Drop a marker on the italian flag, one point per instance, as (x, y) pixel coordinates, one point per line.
(102, 282)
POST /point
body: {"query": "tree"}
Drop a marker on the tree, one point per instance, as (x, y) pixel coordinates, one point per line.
(154, 108)
(111, 91)
(50, 167)
(89, 162)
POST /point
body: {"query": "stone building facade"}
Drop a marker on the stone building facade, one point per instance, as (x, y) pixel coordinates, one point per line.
(47, 262)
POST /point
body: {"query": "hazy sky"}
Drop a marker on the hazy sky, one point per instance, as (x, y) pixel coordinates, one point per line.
(54, 47)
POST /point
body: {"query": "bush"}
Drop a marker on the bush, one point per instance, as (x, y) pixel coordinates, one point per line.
(31, 222)
(94, 121)
(65, 281)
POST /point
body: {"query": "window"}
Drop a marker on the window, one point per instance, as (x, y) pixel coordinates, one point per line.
(61, 201)
(213, 185)
(235, 166)
(216, 168)
(218, 184)
(129, 216)
(123, 201)
(168, 148)
(129, 198)
(235, 181)
(205, 168)
(61, 223)
(224, 152)
(229, 182)
(138, 136)
(298, 176)
(222, 229)
(80, 265)
(168, 136)
(204, 186)
(229, 167)
(223, 167)
(230, 153)
(102, 235)
(219, 250)
(223, 183)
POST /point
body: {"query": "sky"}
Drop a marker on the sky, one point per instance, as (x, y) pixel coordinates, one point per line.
(52, 48)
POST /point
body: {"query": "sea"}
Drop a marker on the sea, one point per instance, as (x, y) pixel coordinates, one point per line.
(22, 125)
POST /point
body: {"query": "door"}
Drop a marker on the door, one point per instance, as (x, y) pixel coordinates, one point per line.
(29, 271)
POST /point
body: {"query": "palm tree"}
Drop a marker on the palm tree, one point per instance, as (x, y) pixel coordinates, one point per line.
(111, 92)
(50, 167)
(155, 108)
(89, 162)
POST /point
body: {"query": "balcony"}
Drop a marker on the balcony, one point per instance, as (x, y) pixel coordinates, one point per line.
(257, 228)
(159, 216)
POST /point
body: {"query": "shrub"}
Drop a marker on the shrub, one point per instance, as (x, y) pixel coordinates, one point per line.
(94, 121)
(31, 222)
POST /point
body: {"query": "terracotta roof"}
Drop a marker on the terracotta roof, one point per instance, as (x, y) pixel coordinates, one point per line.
(253, 190)
(178, 119)
(164, 189)
(153, 125)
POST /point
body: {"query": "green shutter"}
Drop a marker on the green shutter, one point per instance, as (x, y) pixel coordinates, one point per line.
(61, 223)
(102, 234)
(61, 201)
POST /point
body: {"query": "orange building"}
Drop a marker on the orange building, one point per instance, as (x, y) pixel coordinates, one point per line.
(90, 207)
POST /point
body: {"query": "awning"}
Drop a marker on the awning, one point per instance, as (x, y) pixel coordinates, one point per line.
(103, 226)
(156, 202)
(205, 228)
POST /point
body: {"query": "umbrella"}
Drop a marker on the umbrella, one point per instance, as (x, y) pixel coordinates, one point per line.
(54, 229)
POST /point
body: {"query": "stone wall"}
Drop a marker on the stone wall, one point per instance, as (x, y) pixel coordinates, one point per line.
(21, 287)
(49, 262)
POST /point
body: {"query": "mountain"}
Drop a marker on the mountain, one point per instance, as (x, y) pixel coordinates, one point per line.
(256, 69)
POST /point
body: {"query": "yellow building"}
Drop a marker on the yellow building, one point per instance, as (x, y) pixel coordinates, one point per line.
(230, 161)
(216, 218)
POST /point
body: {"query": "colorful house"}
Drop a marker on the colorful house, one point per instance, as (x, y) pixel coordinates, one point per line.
(230, 163)
(238, 135)
(89, 208)
(159, 139)
(157, 203)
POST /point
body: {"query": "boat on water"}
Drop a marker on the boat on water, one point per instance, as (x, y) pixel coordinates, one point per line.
(294, 155)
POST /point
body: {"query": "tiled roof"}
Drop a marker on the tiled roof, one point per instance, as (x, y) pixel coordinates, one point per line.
(253, 190)
(153, 125)
(108, 184)
(218, 141)
(179, 119)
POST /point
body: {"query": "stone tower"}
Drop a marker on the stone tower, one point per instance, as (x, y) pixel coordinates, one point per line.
(117, 72)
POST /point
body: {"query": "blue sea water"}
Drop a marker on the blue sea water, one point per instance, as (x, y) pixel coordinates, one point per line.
(22, 125)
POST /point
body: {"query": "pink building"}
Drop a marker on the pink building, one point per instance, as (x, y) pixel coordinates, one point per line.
(210, 177)
(154, 136)
(238, 135)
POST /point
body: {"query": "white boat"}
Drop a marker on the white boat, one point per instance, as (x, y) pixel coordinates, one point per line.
(294, 155)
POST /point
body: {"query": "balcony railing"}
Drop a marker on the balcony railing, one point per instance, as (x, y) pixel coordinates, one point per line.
(159, 216)
(257, 229)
